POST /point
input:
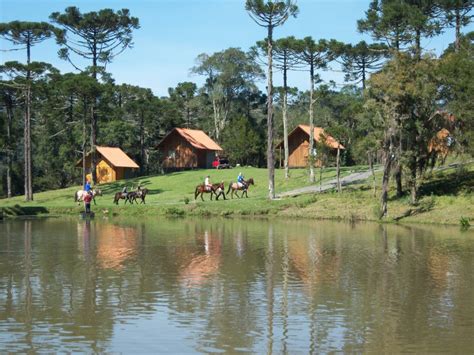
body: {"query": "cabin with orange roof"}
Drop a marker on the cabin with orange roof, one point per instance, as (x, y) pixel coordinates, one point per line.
(113, 164)
(298, 145)
(184, 148)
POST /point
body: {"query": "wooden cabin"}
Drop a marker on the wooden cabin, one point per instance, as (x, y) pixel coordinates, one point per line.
(184, 148)
(298, 145)
(112, 164)
(442, 142)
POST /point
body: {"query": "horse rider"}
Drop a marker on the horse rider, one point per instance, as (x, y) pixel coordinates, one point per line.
(241, 181)
(207, 183)
(87, 188)
(124, 191)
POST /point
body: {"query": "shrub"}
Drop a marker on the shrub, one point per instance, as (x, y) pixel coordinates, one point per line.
(464, 221)
(174, 212)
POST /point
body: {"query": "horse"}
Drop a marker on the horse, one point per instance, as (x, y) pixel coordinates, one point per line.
(80, 194)
(234, 186)
(133, 195)
(120, 195)
(216, 189)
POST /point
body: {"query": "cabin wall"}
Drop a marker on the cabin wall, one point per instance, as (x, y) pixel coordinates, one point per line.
(178, 153)
(105, 172)
(298, 149)
(298, 145)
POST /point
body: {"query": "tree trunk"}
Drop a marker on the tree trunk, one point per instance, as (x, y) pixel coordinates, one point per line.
(142, 142)
(385, 180)
(398, 168)
(457, 43)
(311, 125)
(216, 117)
(84, 143)
(9, 146)
(92, 140)
(363, 74)
(338, 169)
(371, 165)
(94, 119)
(320, 177)
(27, 129)
(270, 155)
(413, 187)
(285, 118)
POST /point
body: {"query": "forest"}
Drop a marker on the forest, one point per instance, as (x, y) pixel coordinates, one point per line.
(395, 98)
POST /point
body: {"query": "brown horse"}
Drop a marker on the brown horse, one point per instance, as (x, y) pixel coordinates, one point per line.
(216, 189)
(120, 195)
(140, 193)
(234, 186)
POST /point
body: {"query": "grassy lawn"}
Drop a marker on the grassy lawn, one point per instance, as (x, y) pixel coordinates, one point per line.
(445, 197)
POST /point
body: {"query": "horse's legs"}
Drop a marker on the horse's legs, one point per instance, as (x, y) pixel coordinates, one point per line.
(202, 198)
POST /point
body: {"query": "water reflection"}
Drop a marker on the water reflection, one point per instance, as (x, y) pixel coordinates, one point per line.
(230, 285)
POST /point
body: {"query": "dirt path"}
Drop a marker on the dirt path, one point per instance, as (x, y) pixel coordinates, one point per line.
(328, 185)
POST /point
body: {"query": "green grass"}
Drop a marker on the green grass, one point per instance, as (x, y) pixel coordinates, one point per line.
(445, 197)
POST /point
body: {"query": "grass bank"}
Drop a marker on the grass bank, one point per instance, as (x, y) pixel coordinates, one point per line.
(446, 197)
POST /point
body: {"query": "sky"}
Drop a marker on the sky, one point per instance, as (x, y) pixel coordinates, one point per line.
(173, 33)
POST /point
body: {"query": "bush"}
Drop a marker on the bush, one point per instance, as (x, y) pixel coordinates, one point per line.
(174, 212)
(464, 221)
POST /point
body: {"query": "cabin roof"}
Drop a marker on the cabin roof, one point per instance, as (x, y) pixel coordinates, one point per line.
(115, 156)
(318, 133)
(195, 137)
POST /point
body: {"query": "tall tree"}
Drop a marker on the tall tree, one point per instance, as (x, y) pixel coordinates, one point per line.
(361, 59)
(96, 36)
(316, 55)
(388, 20)
(230, 73)
(457, 14)
(8, 97)
(183, 94)
(270, 14)
(285, 59)
(28, 34)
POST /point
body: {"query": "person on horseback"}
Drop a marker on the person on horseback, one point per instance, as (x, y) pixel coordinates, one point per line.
(124, 191)
(241, 181)
(87, 187)
(207, 183)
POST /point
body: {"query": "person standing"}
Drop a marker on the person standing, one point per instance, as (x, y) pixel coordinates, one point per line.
(87, 202)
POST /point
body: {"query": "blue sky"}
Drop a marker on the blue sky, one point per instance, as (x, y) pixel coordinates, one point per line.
(174, 32)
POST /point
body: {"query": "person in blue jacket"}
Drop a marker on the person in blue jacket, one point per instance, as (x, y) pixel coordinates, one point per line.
(241, 181)
(87, 187)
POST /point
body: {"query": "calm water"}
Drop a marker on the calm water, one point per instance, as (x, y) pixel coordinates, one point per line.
(234, 285)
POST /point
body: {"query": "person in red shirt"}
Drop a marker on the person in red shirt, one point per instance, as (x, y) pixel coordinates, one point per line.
(87, 202)
(215, 163)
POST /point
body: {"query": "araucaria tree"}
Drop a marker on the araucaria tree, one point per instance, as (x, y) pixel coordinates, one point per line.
(315, 55)
(359, 60)
(96, 36)
(285, 59)
(28, 34)
(270, 14)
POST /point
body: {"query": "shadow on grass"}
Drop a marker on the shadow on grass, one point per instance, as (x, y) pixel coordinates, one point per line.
(449, 184)
(18, 210)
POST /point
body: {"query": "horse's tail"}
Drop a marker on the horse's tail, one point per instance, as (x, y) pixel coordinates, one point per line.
(230, 186)
(75, 196)
(196, 192)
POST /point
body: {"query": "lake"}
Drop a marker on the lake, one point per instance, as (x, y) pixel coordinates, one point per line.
(230, 285)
